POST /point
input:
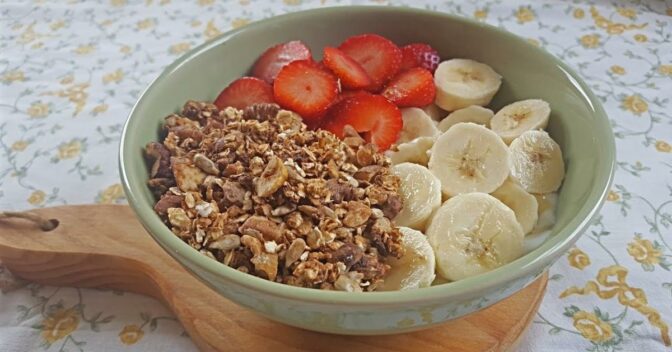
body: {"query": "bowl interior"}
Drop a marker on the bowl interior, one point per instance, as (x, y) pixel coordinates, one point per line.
(577, 122)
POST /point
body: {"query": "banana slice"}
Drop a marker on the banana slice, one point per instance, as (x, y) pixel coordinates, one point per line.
(463, 82)
(546, 211)
(523, 204)
(536, 162)
(420, 192)
(414, 151)
(473, 233)
(514, 119)
(415, 268)
(469, 158)
(476, 114)
(416, 124)
(435, 112)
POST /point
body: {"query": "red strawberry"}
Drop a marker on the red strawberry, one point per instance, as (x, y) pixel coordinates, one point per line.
(348, 94)
(275, 58)
(379, 57)
(243, 92)
(420, 55)
(414, 87)
(351, 73)
(373, 116)
(305, 88)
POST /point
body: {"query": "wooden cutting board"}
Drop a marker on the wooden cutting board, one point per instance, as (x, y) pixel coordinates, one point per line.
(105, 246)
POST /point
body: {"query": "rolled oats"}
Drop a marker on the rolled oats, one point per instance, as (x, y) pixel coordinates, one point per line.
(258, 191)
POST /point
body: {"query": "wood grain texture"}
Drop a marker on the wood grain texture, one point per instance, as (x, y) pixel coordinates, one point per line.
(105, 246)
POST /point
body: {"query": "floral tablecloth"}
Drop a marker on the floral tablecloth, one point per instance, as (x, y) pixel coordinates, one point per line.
(71, 70)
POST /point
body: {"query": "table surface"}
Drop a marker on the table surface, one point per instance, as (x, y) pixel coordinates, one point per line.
(71, 70)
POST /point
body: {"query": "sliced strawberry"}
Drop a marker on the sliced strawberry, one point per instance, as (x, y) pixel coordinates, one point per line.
(348, 94)
(414, 87)
(243, 92)
(373, 116)
(275, 58)
(305, 88)
(351, 73)
(379, 57)
(419, 55)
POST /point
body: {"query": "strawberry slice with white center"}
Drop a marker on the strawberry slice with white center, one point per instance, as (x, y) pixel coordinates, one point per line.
(414, 87)
(276, 57)
(374, 117)
(351, 74)
(243, 92)
(379, 57)
(305, 88)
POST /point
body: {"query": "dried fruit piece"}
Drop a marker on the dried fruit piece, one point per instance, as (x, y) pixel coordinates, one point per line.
(272, 178)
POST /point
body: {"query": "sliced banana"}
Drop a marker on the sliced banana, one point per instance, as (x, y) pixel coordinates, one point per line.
(469, 158)
(536, 162)
(463, 82)
(416, 124)
(415, 151)
(546, 211)
(435, 112)
(514, 119)
(420, 192)
(415, 268)
(476, 114)
(473, 233)
(523, 204)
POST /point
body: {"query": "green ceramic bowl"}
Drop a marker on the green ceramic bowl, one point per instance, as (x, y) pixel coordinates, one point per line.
(578, 123)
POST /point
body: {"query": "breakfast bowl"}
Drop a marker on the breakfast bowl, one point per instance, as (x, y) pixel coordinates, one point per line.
(578, 123)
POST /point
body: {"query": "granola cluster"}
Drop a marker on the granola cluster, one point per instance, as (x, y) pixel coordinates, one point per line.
(258, 191)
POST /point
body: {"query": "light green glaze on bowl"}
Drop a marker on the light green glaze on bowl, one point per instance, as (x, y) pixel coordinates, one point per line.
(578, 123)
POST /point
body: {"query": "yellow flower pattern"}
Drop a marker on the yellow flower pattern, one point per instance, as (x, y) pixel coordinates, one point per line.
(663, 147)
(635, 104)
(578, 258)
(36, 198)
(591, 327)
(59, 324)
(70, 75)
(131, 334)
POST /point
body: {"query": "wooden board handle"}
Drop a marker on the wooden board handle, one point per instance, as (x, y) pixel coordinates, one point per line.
(104, 246)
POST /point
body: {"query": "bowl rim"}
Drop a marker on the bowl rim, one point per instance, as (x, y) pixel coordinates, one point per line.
(531, 263)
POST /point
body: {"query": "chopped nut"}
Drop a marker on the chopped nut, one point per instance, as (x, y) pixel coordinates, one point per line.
(226, 243)
(178, 218)
(272, 178)
(270, 246)
(269, 229)
(283, 210)
(205, 164)
(358, 214)
(252, 243)
(167, 201)
(266, 265)
(392, 206)
(348, 282)
(256, 189)
(294, 251)
(261, 112)
(188, 177)
(204, 209)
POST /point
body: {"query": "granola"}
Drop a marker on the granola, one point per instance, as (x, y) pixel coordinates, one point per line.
(258, 191)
